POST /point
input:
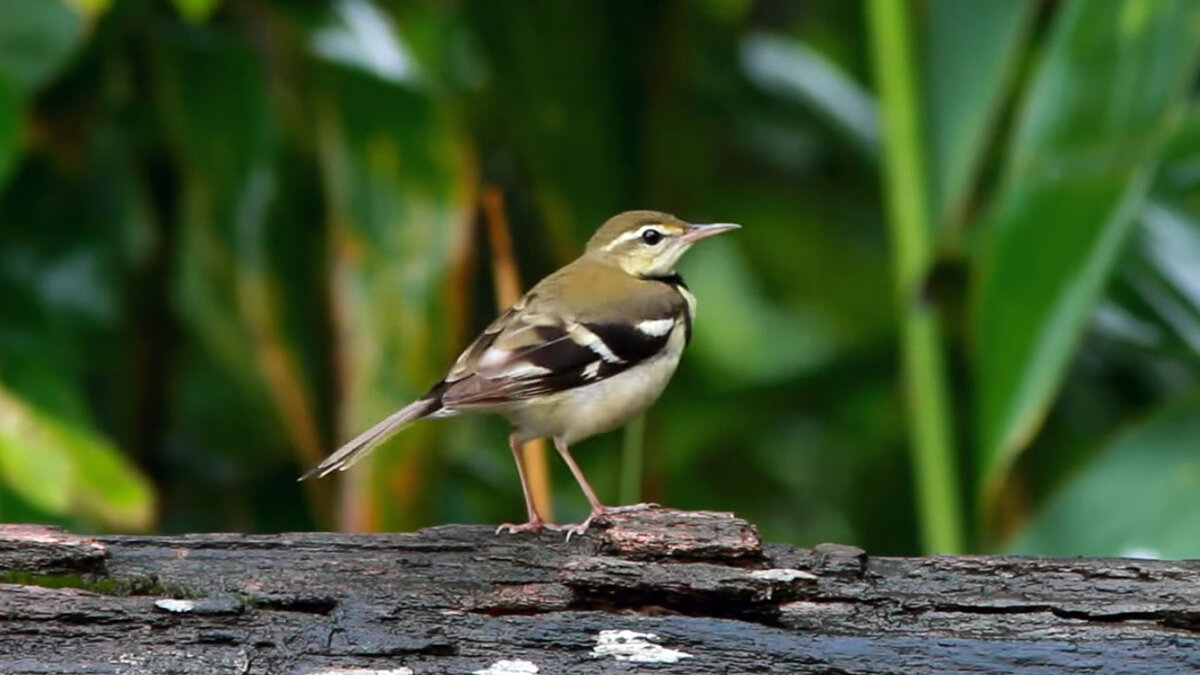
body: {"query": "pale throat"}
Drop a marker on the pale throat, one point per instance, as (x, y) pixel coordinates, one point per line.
(661, 266)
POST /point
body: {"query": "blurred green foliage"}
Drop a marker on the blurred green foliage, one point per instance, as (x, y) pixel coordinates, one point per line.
(963, 313)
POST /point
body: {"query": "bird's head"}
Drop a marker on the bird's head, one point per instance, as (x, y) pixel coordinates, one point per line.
(648, 243)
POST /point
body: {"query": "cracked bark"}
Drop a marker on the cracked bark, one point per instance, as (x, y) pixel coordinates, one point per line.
(659, 590)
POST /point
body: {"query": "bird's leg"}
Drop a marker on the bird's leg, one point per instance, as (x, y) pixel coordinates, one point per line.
(535, 521)
(598, 509)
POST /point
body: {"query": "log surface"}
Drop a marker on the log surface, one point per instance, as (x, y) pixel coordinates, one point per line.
(656, 591)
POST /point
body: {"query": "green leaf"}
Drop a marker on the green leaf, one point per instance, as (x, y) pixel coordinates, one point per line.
(1140, 497)
(34, 460)
(360, 36)
(108, 489)
(91, 7)
(792, 69)
(66, 470)
(971, 49)
(36, 39)
(1180, 171)
(1156, 303)
(1102, 101)
(196, 10)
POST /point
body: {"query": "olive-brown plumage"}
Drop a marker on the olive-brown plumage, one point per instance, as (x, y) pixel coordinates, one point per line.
(584, 351)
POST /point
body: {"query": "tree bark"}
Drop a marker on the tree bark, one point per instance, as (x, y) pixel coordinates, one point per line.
(654, 591)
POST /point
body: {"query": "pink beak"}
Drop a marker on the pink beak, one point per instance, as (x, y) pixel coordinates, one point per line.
(698, 232)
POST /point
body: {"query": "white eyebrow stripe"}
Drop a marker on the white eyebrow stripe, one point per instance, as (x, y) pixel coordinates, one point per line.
(586, 338)
(656, 327)
(632, 235)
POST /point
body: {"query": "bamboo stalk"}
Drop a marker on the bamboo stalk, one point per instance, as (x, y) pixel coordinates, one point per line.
(508, 290)
(905, 179)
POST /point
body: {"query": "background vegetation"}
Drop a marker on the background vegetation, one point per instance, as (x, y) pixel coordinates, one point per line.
(963, 313)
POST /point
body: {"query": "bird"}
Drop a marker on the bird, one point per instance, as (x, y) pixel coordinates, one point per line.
(584, 351)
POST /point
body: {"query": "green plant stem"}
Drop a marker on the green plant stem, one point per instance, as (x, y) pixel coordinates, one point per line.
(905, 182)
(633, 446)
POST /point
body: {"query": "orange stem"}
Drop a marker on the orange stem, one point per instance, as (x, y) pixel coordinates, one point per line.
(508, 290)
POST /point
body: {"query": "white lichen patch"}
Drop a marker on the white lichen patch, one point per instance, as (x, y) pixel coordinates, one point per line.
(403, 670)
(629, 645)
(801, 608)
(785, 575)
(128, 659)
(173, 605)
(510, 668)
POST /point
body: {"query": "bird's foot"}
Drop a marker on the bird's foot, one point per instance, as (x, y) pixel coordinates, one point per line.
(578, 529)
(531, 525)
(582, 528)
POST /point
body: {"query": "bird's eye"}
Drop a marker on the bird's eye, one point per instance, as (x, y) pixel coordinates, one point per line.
(652, 237)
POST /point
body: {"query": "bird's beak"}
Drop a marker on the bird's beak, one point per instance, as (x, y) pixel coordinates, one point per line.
(698, 232)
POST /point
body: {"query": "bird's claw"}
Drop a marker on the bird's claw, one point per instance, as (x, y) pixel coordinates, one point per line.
(582, 528)
(532, 525)
(579, 529)
(529, 526)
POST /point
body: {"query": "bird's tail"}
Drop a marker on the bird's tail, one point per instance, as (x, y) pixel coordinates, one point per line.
(347, 455)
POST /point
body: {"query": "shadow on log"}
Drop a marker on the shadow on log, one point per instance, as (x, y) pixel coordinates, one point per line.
(652, 591)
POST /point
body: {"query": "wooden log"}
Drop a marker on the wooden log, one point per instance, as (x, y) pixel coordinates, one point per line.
(656, 591)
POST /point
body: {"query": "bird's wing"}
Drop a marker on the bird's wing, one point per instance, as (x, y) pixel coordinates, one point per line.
(527, 353)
